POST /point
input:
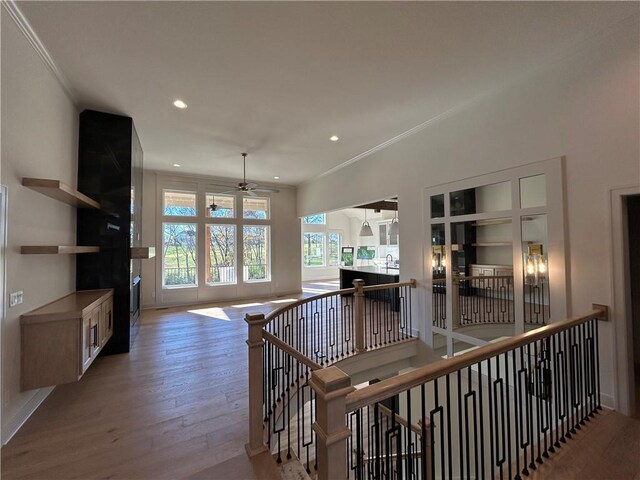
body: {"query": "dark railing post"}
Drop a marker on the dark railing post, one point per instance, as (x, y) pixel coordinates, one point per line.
(332, 386)
(256, 322)
(455, 300)
(359, 315)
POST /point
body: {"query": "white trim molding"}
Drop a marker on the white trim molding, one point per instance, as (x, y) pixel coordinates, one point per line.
(11, 427)
(25, 27)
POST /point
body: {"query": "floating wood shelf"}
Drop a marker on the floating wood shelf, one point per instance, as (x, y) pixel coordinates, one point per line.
(60, 191)
(143, 252)
(56, 249)
(492, 244)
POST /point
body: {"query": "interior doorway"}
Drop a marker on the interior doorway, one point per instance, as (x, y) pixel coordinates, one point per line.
(633, 232)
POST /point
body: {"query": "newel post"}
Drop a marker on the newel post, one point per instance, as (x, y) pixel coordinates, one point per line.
(331, 386)
(255, 322)
(359, 314)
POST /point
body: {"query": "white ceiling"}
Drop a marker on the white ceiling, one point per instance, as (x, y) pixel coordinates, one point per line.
(277, 79)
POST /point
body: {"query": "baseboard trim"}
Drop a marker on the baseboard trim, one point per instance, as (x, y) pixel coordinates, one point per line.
(607, 401)
(217, 301)
(10, 428)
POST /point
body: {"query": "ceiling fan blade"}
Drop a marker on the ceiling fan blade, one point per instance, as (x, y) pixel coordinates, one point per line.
(219, 185)
(250, 193)
(266, 190)
(251, 185)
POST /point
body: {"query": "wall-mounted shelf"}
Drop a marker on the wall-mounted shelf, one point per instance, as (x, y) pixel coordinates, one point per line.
(492, 244)
(60, 191)
(56, 249)
(143, 252)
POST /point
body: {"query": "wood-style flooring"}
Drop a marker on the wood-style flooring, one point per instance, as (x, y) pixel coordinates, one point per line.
(174, 407)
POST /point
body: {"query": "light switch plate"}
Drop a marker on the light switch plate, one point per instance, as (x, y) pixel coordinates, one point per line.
(16, 298)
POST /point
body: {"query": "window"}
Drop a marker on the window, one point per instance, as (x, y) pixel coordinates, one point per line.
(319, 219)
(255, 208)
(255, 242)
(225, 205)
(334, 249)
(179, 204)
(313, 249)
(221, 254)
(179, 254)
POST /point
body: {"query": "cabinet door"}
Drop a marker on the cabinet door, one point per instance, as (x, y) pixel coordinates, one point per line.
(504, 272)
(107, 320)
(87, 340)
(96, 314)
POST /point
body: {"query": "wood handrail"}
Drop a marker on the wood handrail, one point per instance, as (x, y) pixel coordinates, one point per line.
(411, 283)
(401, 383)
(269, 337)
(344, 291)
(302, 301)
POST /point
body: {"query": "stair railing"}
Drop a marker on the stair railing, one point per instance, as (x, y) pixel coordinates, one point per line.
(499, 410)
(308, 335)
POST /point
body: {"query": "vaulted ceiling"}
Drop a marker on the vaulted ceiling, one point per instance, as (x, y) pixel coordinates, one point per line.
(278, 79)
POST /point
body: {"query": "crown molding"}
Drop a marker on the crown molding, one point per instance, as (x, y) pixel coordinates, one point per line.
(27, 30)
(546, 63)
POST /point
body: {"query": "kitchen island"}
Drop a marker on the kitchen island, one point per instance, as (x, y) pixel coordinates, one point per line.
(374, 275)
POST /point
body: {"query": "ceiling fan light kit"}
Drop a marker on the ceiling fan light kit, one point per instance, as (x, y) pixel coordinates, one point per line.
(244, 187)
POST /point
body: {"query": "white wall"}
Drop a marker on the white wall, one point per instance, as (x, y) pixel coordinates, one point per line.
(285, 250)
(583, 106)
(39, 139)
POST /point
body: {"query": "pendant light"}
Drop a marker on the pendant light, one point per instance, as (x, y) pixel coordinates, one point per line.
(394, 228)
(366, 231)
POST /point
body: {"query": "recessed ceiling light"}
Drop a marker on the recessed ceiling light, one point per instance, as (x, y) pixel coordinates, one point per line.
(180, 104)
(276, 178)
(334, 138)
(176, 165)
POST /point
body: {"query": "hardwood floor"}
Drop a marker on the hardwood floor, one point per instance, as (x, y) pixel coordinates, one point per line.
(174, 407)
(606, 449)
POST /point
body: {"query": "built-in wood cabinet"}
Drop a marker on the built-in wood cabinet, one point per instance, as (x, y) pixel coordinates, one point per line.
(61, 339)
(491, 270)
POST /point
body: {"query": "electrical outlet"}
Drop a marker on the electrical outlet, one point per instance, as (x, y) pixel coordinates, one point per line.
(16, 298)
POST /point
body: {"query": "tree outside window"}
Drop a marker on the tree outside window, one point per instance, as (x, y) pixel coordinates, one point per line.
(221, 254)
(313, 249)
(334, 249)
(179, 254)
(255, 242)
(318, 219)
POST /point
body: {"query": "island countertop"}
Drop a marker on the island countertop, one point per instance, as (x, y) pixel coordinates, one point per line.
(374, 269)
(372, 275)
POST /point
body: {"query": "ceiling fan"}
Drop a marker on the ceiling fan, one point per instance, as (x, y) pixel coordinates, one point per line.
(250, 189)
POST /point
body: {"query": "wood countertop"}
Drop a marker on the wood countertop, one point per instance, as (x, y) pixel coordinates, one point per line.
(74, 305)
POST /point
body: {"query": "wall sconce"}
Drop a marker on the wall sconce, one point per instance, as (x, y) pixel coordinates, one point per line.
(535, 265)
(438, 259)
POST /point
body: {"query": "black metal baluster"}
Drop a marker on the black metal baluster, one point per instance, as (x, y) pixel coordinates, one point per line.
(460, 418)
(517, 414)
(449, 430)
(492, 455)
(482, 466)
(508, 402)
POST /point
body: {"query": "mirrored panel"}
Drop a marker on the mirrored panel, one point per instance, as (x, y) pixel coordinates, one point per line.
(437, 206)
(533, 191)
(535, 269)
(493, 198)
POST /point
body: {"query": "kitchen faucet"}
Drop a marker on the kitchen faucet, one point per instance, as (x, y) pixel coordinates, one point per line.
(386, 259)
